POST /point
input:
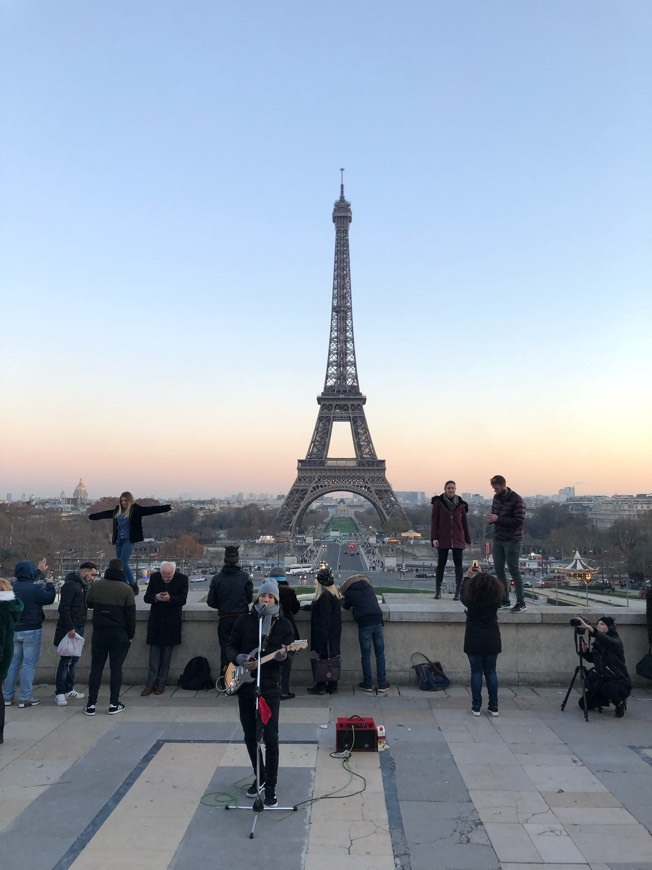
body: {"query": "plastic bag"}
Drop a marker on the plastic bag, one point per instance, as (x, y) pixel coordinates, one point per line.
(71, 646)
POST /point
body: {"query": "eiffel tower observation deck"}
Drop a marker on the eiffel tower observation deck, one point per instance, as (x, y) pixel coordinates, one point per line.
(340, 402)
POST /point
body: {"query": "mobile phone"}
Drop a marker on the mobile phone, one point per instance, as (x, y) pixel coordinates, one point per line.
(475, 564)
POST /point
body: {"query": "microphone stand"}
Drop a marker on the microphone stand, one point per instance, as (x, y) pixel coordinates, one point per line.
(259, 804)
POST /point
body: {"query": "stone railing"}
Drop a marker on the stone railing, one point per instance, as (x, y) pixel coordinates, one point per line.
(538, 645)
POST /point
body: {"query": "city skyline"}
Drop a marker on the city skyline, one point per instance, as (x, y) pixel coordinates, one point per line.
(166, 247)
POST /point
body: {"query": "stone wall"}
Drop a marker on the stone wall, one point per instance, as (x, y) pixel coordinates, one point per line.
(538, 646)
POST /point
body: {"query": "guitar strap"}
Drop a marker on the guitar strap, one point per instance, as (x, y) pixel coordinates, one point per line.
(263, 642)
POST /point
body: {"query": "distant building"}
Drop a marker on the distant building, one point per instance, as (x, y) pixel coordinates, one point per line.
(411, 497)
(603, 511)
(80, 494)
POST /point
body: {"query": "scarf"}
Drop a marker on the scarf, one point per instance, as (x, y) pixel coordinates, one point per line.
(451, 503)
(269, 614)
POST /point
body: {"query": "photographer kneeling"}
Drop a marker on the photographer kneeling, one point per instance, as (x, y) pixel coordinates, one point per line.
(608, 681)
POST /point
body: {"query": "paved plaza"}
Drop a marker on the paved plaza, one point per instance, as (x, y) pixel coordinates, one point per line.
(536, 787)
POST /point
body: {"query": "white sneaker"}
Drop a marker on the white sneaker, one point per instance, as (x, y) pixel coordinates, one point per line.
(61, 700)
(75, 695)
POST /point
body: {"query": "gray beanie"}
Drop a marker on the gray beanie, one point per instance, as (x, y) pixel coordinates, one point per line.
(269, 586)
(277, 572)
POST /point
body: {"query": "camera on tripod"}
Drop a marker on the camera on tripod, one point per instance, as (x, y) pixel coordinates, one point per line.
(577, 625)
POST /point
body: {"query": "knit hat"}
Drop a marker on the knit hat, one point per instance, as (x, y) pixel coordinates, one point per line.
(608, 621)
(499, 479)
(232, 551)
(114, 571)
(325, 577)
(269, 586)
(277, 572)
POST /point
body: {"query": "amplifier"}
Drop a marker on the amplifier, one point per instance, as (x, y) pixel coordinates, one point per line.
(356, 734)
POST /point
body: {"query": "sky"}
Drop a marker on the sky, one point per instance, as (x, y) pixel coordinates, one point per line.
(168, 172)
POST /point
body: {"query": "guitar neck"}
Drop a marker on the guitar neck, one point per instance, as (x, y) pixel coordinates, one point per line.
(292, 647)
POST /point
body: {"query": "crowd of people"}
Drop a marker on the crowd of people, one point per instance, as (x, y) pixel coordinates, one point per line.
(271, 616)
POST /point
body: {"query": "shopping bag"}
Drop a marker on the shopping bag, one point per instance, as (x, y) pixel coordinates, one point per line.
(71, 646)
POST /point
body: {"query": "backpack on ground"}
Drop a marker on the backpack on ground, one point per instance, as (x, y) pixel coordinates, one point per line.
(196, 675)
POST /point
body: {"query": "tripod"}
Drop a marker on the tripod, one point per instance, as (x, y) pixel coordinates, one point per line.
(581, 670)
(259, 804)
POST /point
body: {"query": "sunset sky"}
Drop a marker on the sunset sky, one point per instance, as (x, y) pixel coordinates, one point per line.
(168, 172)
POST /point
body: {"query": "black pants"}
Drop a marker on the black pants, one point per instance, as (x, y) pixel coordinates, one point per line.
(247, 711)
(2, 715)
(115, 646)
(601, 693)
(442, 558)
(224, 629)
(159, 664)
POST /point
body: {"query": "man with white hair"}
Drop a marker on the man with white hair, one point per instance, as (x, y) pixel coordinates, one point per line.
(167, 592)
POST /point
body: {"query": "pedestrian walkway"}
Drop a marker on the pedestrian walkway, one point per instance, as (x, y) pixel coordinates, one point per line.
(535, 787)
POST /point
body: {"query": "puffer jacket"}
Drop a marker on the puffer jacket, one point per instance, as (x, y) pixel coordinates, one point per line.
(10, 608)
(510, 509)
(114, 607)
(449, 528)
(360, 597)
(33, 595)
(72, 606)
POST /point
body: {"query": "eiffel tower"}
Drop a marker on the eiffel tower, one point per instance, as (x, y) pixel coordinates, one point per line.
(340, 402)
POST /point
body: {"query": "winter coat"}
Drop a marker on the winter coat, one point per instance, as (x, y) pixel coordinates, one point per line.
(10, 608)
(33, 595)
(244, 639)
(360, 597)
(608, 655)
(289, 604)
(482, 633)
(164, 623)
(325, 625)
(114, 607)
(231, 591)
(510, 509)
(449, 528)
(72, 606)
(135, 519)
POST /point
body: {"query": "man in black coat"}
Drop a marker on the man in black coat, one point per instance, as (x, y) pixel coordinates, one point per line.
(241, 649)
(289, 606)
(114, 626)
(506, 519)
(167, 592)
(231, 592)
(72, 619)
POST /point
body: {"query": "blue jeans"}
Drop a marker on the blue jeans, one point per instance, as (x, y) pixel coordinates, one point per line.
(65, 678)
(368, 634)
(509, 551)
(27, 648)
(123, 550)
(484, 665)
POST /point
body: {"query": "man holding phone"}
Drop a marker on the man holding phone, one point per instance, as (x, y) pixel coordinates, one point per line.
(167, 592)
(507, 517)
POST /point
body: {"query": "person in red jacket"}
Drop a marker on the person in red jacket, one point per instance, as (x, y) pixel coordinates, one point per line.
(449, 530)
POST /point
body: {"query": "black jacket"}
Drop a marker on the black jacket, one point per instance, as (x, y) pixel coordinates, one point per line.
(33, 595)
(360, 597)
(482, 633)
(510, 509)
(10, 608)
(325, 625)
(244, 639)
(135, 519)
(289, 604)
(608, 655)
(231, 591)
(114, 608)
(72, 606)
(164, 623)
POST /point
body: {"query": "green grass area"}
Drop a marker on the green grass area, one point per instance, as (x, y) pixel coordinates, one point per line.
(343, 525)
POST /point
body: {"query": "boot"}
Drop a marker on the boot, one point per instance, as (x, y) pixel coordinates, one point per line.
(438, 590)
(458, 586)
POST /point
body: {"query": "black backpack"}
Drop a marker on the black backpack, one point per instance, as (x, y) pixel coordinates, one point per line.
(196, 675)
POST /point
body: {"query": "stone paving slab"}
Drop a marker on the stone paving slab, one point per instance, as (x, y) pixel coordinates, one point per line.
(536, 787)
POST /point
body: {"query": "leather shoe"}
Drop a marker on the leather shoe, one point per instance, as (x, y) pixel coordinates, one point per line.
(288, 696)
(147, 691)
(160, 688)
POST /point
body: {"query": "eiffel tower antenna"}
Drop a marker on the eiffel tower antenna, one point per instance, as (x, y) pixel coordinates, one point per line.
(340, 402)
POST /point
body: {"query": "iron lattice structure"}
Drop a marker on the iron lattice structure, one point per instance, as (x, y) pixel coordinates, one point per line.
(340, 402)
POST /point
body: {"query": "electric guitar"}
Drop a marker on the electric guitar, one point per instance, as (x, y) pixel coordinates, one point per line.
(237, 675)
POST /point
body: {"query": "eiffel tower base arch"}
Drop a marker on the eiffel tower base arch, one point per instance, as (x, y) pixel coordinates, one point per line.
(366, 478)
